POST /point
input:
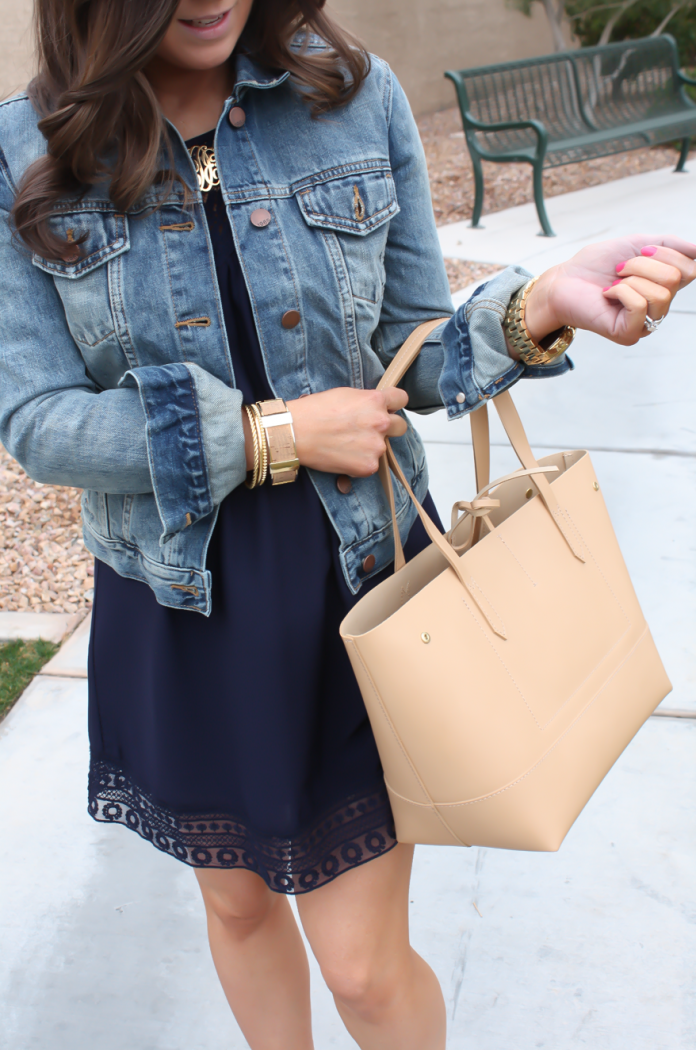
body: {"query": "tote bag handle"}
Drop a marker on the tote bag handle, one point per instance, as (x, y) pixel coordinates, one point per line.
(515, 431)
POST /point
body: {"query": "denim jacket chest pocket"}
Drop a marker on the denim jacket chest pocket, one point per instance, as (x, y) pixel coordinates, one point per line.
(88, 281)
(355, 210)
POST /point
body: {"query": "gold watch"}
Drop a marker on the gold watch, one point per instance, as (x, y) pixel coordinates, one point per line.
(548, 348)
(280, 437)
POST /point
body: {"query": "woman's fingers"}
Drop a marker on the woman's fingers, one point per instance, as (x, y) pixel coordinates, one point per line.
(677, 244)
(656, 281)
(397, 427)
(685, 264)
(670, 277)
(630, 322)
(394, 398)
(656, 296)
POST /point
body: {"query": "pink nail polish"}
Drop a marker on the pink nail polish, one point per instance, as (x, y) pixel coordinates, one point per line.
(613, 283)
(620, 266)
(607, 288)
(650, 249)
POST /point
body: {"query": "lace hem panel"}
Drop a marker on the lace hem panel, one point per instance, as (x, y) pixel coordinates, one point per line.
(357, 831)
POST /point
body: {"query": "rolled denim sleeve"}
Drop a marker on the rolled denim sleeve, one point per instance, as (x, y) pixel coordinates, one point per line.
(174, 430)
(465, 360)
(195, 440)
(476, 364)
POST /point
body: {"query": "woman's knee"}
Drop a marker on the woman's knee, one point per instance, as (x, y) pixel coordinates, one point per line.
(240, 900)
(364, 985)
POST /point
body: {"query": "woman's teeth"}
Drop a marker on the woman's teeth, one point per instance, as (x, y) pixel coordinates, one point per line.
(204, 23)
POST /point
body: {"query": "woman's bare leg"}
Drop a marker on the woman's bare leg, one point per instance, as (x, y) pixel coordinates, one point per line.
(357, 925)
(260, 958)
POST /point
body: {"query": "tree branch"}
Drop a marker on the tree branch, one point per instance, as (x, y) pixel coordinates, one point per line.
(609, 27)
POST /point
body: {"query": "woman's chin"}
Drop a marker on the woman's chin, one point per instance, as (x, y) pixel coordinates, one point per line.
(196, 56)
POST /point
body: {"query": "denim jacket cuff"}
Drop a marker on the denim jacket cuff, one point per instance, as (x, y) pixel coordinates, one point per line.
(195, 440)
(477, 365)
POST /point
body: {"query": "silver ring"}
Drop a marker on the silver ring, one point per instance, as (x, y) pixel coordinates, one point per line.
(652, 326)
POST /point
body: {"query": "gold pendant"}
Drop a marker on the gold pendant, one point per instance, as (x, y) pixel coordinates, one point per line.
(204, 162)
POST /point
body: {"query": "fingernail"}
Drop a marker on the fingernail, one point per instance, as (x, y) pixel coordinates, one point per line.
(607, 288)
(620, 266)
(650, 249)
(613, 283)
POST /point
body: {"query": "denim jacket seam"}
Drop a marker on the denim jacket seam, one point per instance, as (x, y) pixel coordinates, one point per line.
(7, 175)
(179, 331)
(296, 290)
(334, 252)
(494, 305)
(116, 289)
(201, 445)
(388, 93)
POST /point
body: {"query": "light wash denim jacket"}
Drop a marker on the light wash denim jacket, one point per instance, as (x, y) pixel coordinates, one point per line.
(115, 371)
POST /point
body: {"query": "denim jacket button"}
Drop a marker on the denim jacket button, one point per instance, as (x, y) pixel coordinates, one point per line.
(369, 563)
(460, 399)
(237, 117)
(344, 485)
(290, 319)
(260, 217)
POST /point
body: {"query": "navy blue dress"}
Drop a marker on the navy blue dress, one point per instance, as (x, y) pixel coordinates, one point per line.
(241, 739)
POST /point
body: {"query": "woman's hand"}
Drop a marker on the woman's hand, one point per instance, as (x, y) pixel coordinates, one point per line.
(343, 431)
(610, 288)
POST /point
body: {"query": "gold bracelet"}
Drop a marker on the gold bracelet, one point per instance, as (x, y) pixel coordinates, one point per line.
(531, 352)
(263, 445)
(253, 480)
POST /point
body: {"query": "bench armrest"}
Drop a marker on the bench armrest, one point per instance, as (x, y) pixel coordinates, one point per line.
(506, 125)
(686, 79)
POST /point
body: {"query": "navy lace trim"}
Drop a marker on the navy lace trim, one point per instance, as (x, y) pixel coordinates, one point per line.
(353, 833)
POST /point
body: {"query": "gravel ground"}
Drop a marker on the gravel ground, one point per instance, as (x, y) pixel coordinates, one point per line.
(44, 566)
(506, 185)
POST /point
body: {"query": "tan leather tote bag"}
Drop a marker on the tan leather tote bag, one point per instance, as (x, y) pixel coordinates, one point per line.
(508, 665)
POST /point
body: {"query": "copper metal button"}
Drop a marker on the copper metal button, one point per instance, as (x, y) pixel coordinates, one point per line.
(290, 319)
(369, 563)
(344, 485)
(260, 217)
(237, 117)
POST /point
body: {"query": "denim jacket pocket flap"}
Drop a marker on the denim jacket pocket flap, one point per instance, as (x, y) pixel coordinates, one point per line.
(357, 203)
(91, 239)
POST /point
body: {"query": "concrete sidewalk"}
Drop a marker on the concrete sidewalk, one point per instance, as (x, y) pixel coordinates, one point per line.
(103, 939)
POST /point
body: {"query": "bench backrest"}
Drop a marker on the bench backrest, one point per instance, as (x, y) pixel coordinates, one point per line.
(573, 92)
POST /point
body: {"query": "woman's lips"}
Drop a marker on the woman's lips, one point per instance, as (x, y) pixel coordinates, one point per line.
(208, 26)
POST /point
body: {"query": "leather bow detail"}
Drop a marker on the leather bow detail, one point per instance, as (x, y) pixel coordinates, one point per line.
(477, 508)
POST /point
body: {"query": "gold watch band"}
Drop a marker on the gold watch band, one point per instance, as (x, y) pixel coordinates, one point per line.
(532, 353)
(280, 437)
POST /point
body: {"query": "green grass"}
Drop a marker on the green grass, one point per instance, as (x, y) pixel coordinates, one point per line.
(19, 662)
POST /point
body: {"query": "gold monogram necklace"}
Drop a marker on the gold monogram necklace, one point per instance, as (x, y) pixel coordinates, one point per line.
(204, 162)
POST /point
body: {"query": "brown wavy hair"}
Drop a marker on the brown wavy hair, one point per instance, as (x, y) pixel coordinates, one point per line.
(99, 114)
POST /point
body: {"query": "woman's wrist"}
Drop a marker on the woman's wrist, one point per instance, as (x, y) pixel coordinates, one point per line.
(540, 316)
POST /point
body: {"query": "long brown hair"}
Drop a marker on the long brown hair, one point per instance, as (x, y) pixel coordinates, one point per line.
(99, 114)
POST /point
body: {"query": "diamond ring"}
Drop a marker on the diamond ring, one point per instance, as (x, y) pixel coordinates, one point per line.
(652, 326)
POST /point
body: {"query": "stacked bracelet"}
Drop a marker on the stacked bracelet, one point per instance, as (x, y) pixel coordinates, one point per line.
(273, 439)
(258, 437)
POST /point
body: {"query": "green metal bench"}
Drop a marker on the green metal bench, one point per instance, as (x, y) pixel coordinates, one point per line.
(572, 105)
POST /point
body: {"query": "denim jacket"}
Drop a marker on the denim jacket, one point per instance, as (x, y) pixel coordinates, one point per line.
(115, 371)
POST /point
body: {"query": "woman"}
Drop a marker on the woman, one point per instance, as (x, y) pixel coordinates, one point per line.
(210, 204)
